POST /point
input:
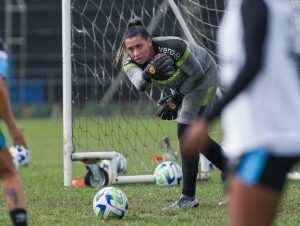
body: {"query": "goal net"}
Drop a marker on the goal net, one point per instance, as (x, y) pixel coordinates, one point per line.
(103, 111)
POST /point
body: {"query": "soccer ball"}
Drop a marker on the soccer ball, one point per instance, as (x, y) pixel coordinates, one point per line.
(121, 164)
(104, 164)
(20, 154)
(110, 203)
(168, 173)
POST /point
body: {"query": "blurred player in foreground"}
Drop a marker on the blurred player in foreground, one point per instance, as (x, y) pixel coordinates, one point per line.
(261, 121)
(12, 186)
(192, 76)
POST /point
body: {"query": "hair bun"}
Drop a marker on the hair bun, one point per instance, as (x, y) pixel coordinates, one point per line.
(135, 22)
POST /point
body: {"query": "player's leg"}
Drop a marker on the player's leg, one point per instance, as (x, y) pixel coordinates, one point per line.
(190, 163)
(215, 152)
(12, 186)
(189, 166)
(189, 111)
(245, 199)
(255, 188)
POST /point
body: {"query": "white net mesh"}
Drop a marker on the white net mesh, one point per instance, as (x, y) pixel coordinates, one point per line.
(108, 112)
(203, 18)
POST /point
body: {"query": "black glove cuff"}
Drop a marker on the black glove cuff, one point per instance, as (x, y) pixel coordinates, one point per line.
(146, 77)
(178, 97)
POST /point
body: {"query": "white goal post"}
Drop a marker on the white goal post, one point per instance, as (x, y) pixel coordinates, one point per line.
(103, 113)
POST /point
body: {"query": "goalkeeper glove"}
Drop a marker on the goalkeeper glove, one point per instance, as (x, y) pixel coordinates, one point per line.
(160, 68)
(169, 107)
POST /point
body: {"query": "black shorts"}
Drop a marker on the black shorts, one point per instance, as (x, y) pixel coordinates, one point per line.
(260, 167)
(2, 141)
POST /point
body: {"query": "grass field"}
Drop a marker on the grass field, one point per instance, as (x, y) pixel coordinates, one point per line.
(50, 203)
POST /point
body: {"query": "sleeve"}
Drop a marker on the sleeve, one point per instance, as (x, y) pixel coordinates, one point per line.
(134, 73)
(190, 66)
(254, 18)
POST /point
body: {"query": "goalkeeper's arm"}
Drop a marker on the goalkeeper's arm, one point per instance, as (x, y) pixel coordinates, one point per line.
(135, 74)
(160, 68)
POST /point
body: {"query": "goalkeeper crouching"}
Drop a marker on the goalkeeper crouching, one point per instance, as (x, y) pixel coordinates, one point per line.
(192, 76)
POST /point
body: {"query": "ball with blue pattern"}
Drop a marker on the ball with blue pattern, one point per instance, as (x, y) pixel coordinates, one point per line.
(121, 164)
(168, 173)
(20, 154)
(104, 164)
(110, 203)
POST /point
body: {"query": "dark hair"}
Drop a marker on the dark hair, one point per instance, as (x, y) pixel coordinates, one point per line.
(134, 27)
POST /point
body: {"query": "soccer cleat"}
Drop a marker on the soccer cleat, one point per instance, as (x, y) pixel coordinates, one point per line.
(183, 203)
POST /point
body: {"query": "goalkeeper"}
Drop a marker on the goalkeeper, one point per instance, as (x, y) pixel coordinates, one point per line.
(192, 76)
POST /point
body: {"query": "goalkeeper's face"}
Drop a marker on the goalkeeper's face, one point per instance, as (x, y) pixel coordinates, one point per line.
(139, 48)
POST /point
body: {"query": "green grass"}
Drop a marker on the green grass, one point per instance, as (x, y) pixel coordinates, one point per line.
(50, 203)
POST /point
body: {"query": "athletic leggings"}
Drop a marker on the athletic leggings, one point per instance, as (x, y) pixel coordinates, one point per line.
(190, 163)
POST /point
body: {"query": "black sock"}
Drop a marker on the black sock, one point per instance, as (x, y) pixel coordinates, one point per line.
(189, 167)
(189, 174)
(18, 217)
(214, 154)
